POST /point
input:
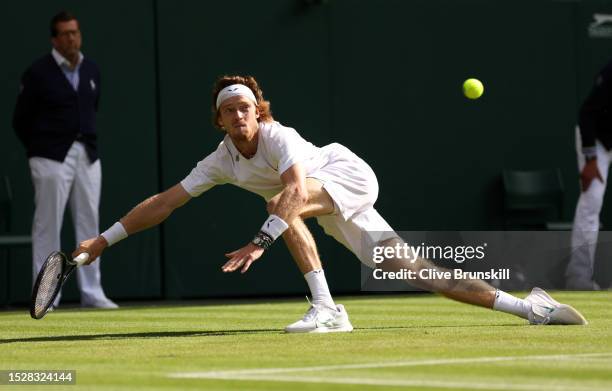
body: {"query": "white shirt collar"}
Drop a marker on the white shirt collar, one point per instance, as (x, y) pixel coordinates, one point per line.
(61, 60)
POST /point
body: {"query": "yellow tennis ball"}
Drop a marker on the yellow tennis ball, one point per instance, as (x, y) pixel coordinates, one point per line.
(473, 88)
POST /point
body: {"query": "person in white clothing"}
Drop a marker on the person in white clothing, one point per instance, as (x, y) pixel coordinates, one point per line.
(299, 181)
(594, 152)
(55, 120)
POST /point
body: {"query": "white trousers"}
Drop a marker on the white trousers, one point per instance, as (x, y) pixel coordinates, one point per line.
(579, 272)
(79, 182)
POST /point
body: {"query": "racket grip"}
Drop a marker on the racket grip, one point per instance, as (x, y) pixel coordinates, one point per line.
(81, 259)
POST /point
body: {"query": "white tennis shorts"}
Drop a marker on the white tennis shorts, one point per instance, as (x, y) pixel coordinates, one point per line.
(353, 186)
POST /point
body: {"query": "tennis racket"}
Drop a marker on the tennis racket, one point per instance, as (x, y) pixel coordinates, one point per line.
(51, 277)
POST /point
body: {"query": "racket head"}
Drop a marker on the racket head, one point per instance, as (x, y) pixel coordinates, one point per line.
(48, 283)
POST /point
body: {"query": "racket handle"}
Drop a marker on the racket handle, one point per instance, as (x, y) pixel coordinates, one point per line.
(81, 259)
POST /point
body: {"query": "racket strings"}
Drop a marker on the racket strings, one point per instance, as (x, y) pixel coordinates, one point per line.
(51, 278)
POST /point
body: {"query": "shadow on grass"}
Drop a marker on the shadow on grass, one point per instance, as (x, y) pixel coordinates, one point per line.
(424, 327)
(212, 333)
(163, 334)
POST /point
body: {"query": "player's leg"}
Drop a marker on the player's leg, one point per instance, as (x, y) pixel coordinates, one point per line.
(585, 230)
(84, 202)
(298, 238)
(303, 248)
(302, 245)
(470, 291)
(349, 185)
(324, 315)
(353, 186)
(368, 229)
(343, 187)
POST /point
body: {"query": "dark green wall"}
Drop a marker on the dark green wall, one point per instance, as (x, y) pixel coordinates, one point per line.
(381, 77)
(443, 154)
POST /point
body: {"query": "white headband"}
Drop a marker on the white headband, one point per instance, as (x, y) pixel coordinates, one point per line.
(235, 90)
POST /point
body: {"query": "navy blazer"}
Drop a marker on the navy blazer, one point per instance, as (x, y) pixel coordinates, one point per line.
(595, 116)
(50, 115)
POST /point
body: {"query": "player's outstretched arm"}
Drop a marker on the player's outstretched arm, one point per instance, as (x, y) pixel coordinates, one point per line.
(155, 209)
(147, 214)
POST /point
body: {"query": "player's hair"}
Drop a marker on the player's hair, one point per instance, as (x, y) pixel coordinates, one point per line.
(62, 16)
(265, 114)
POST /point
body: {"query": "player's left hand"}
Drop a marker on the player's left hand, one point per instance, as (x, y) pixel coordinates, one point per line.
(243, 257)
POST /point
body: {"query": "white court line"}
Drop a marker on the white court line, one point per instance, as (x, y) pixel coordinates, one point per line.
(227, 374)
(418, 383)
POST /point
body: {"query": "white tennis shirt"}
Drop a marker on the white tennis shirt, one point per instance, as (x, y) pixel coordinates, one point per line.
(278, 148)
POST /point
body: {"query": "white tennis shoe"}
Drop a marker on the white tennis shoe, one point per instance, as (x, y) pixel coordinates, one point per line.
(104, 303)
(546, 310)
(321, 319)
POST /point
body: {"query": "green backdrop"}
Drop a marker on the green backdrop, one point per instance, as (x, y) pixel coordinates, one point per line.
(381, 77)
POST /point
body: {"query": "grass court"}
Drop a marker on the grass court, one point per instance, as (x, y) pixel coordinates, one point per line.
(414, 342)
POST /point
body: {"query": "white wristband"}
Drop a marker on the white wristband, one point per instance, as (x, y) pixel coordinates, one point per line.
(274, 226)
(115, 233)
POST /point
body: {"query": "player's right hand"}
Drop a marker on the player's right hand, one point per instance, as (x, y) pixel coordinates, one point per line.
(590, 172)
(94, 247)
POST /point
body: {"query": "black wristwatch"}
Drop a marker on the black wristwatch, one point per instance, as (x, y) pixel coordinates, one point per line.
(262, 240)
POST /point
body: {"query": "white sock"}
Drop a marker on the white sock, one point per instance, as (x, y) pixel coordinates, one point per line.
(319, 289)
(513, 305)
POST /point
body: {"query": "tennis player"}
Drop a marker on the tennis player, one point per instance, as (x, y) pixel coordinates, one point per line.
(299, 181)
